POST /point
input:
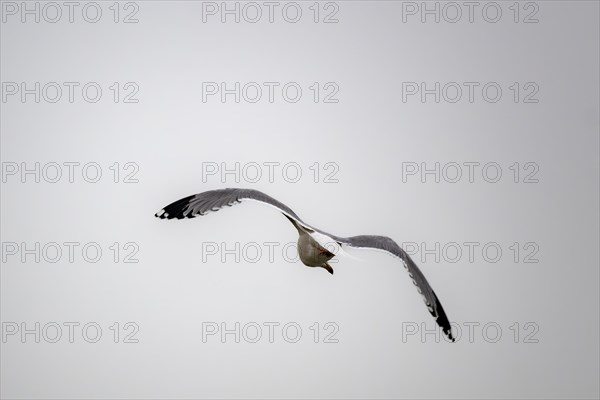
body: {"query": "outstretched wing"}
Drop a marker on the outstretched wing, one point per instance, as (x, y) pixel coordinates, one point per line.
(386, 244)
(214, 200)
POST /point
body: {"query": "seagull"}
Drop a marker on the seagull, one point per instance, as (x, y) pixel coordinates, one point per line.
(312, 253)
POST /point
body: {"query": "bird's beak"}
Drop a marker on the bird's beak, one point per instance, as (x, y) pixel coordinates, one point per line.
(328, 268)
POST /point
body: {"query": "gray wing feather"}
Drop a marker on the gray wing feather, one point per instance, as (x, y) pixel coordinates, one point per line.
(423, 287)
(213, 200)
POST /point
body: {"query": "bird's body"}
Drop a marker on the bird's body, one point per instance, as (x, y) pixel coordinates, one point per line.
(311, 252)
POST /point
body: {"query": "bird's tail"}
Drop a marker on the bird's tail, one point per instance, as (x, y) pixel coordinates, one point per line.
(297, 225)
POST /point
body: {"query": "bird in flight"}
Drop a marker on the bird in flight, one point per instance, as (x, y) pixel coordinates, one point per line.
(310, 250)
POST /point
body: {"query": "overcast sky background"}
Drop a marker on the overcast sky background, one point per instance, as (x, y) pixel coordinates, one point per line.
(541, 293)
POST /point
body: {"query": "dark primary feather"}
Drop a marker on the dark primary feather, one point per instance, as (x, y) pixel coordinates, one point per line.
(213, 200)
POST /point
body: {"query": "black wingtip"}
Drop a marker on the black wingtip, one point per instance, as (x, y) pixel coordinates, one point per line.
(442, 319)
(175, 209)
